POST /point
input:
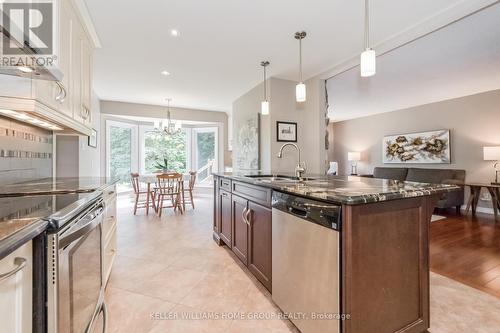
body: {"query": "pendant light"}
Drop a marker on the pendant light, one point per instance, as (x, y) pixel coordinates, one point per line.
(168, 126)
(300, 89)
(368, 60)
(264, 110)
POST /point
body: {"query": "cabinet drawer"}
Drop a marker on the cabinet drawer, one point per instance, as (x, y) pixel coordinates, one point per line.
(109, 220)
(108, 256)
(257, 194)
(16, 290)
(109, 193)
(225, 184)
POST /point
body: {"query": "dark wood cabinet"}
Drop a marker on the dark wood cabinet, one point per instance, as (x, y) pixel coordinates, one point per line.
(240, 228)
(242, 221)
(259, 243)
(225, 217)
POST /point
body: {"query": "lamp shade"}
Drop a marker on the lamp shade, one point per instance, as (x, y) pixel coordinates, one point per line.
(354, 156)
(368, 63)
(264, 110)
(491, 153)
(300, 92)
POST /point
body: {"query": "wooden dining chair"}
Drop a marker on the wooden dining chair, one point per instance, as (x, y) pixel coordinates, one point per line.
(141, 195)
(169, 186)
(188, 190)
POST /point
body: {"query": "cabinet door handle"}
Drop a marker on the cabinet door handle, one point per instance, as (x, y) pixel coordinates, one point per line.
(83, 112)
(62, 93)
(248, 216)
(20, 264)
(243, 215)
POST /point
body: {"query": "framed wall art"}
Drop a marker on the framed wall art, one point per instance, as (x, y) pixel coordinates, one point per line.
(423, 147)
(286, 131)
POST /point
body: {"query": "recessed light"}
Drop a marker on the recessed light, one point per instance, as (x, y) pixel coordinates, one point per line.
(174, 32)
(166, 73)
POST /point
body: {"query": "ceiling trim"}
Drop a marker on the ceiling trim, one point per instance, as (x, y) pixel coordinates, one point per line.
(84, 14)
(427, 26)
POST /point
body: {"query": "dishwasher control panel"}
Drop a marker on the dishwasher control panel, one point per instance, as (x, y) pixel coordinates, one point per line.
(325, 214)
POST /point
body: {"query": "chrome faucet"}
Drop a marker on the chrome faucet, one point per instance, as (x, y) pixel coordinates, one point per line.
(299, 169)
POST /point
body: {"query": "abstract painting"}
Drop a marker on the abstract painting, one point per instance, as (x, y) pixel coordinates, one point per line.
(423, 147)
(246, 150)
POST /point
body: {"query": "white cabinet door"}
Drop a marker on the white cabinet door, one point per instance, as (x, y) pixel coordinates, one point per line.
(76, 71)
(64, 58)
(16, 291)
(86, 78)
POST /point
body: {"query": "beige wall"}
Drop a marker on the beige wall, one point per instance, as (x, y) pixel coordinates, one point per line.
(473, 121)
(309, 117)
(245, 107)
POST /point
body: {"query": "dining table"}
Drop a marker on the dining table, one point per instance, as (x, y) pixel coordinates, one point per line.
(150, 178)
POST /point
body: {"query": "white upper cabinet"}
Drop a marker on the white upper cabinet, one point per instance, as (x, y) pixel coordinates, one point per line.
(86, 78)
(62, 92)
(73, 50)
(76, 72)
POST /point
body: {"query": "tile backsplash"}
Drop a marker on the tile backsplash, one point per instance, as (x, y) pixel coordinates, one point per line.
(25, 151)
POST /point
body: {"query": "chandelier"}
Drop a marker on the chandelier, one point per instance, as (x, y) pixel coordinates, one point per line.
(168, 126)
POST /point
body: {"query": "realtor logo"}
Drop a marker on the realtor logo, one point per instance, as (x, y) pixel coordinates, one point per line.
(29, 24)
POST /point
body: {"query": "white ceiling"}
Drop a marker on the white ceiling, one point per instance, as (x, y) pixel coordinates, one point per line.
(216, 57)
(458, 60)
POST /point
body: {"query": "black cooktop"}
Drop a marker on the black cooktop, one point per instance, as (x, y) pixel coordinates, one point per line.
(52, 207)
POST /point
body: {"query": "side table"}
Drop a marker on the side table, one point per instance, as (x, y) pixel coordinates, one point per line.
(475, 193)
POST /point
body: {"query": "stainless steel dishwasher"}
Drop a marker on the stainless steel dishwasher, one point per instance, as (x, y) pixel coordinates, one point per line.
(306, 262)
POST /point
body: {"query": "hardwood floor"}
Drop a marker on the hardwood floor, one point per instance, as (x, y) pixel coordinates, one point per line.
(467, 250)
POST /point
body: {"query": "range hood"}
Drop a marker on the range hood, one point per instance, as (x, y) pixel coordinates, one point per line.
(27, 67)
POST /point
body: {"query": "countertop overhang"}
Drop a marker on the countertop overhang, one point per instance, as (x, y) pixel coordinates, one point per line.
(347, 190)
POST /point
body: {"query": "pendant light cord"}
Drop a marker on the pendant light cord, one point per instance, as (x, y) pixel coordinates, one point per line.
(367, 25)
(300, 59)
(265, 85)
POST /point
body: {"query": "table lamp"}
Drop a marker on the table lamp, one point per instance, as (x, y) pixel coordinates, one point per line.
(354, 157)
(493, 154)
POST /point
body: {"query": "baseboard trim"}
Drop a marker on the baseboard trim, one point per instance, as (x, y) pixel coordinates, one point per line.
(484, 210)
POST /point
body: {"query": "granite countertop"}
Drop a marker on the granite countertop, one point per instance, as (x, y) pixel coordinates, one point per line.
(349, 190)
(55, 186)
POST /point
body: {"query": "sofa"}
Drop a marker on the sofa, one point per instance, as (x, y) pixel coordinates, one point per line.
(435, 176)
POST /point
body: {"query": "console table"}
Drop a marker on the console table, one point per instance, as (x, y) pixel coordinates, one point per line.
(475, 193)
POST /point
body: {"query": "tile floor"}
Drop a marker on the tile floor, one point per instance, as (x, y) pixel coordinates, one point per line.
(167, 278)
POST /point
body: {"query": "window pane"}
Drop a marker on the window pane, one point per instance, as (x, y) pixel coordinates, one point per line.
(205, 143)
(205, 153)
(158, 147)
(121, 153)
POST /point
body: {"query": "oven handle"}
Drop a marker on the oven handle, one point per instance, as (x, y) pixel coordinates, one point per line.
(83, 230)
(104, 311)
(20, 264)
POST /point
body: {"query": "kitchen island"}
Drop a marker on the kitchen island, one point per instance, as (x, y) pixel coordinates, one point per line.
(381, 264)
